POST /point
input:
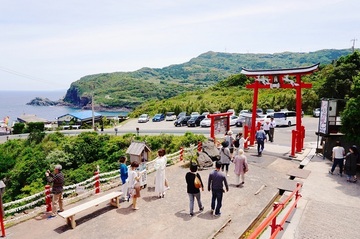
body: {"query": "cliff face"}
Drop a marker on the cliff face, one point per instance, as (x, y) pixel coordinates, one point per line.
(74, 98)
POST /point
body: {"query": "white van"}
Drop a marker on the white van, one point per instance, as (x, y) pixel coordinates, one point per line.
(170, 116)
(285, 118)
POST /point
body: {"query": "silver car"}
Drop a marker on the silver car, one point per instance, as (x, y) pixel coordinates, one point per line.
(143, 118)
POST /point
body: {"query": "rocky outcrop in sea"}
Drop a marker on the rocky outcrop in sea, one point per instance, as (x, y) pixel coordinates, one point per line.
(38, 101)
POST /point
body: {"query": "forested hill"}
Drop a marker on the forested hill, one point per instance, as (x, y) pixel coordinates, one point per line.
(130, 89)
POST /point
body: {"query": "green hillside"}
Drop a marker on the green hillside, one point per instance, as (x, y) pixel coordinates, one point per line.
(131, 89)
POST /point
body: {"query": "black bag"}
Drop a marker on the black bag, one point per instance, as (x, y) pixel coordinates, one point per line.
(237, 142)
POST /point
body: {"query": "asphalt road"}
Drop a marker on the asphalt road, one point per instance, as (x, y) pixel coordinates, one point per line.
(282, 134)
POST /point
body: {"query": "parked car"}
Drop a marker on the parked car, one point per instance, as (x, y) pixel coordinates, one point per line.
(143, 118)
(182, 121)
(206, 122)
(194, 113)
(268, 111)
(232, 111)
(316, 112)
(240, 121)
(233, 120)
(195, 120)
(243, 112)
(158, 117)
(181, 114)
(205, 113)
(170, 116)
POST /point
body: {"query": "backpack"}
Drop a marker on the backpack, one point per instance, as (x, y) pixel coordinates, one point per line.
(197, 182)
(237, 142)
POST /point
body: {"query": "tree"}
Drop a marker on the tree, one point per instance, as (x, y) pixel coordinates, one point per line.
(340, 76)
(349, 126)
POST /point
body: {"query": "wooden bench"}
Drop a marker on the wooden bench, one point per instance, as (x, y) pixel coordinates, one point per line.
(69, 214)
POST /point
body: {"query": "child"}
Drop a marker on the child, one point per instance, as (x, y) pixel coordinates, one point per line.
(124, 176)
(134, 182)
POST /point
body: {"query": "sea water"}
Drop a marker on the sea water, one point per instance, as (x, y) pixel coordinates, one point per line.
(13, 104)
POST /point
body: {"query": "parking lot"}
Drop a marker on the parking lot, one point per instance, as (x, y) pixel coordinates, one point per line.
(282, 134)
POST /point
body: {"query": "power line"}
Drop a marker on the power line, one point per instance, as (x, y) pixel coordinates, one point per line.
(17, 73)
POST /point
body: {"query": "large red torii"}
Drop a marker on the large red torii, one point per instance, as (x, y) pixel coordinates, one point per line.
(271, 79)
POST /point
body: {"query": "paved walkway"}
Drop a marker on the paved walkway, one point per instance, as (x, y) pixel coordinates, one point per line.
(326, 199)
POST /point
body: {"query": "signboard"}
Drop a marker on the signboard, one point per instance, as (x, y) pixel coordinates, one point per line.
(220, 125)
(323, 117)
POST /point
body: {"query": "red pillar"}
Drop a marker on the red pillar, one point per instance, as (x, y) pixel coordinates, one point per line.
(298, 114)
(246, 134)
(293, 142)
(181, 153)
(303, 136)
(253, 116)
(48, 198)
(273, 223)
(2, 218)
(199, 147)
(97, 182)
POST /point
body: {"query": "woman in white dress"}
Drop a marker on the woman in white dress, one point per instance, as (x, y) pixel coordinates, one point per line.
(160, 179)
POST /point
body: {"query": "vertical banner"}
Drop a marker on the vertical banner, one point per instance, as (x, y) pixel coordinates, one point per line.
(323, 117)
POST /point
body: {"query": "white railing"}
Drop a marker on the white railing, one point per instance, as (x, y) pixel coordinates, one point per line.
(78, 191)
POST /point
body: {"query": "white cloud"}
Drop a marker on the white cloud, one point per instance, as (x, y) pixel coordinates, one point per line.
(65, 40)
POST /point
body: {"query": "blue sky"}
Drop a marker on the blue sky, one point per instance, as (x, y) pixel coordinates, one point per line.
(47, 45)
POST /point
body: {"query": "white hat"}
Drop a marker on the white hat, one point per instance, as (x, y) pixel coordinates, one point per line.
(230, 132)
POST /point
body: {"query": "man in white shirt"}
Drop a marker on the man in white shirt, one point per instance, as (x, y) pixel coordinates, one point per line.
(266, 128)
(272, 127)
(338, 153)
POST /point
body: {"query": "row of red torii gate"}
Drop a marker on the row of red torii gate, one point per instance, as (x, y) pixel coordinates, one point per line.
(270, 79)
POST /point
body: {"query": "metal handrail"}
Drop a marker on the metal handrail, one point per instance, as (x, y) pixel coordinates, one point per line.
(271, 219)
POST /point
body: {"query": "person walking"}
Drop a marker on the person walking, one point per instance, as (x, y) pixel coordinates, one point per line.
(225, 157)
(241, 167)
(351, 161)
(338, 153)
(260, 139)
(57, 179)
(272, 129)
(124, 177)
(239, 142)
(215, 183)
(230, 139)
(134, 183)
(192, 190)
(160, 177)
(266, 127)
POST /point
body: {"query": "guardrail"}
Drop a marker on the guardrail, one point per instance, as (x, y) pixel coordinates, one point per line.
(271, 219)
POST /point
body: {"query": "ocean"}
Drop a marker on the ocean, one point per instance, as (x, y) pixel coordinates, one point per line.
(13, 104)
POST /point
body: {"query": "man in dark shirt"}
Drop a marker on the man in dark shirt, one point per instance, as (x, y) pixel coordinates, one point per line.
(216, 181)
(260, 138)
(57, 178)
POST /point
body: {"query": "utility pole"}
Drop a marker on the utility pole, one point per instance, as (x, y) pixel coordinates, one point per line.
(353, 45)
(92, 108)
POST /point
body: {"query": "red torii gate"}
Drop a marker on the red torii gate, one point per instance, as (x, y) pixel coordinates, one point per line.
(270, 79)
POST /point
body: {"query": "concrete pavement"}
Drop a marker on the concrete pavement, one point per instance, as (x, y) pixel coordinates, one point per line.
(327, 199)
